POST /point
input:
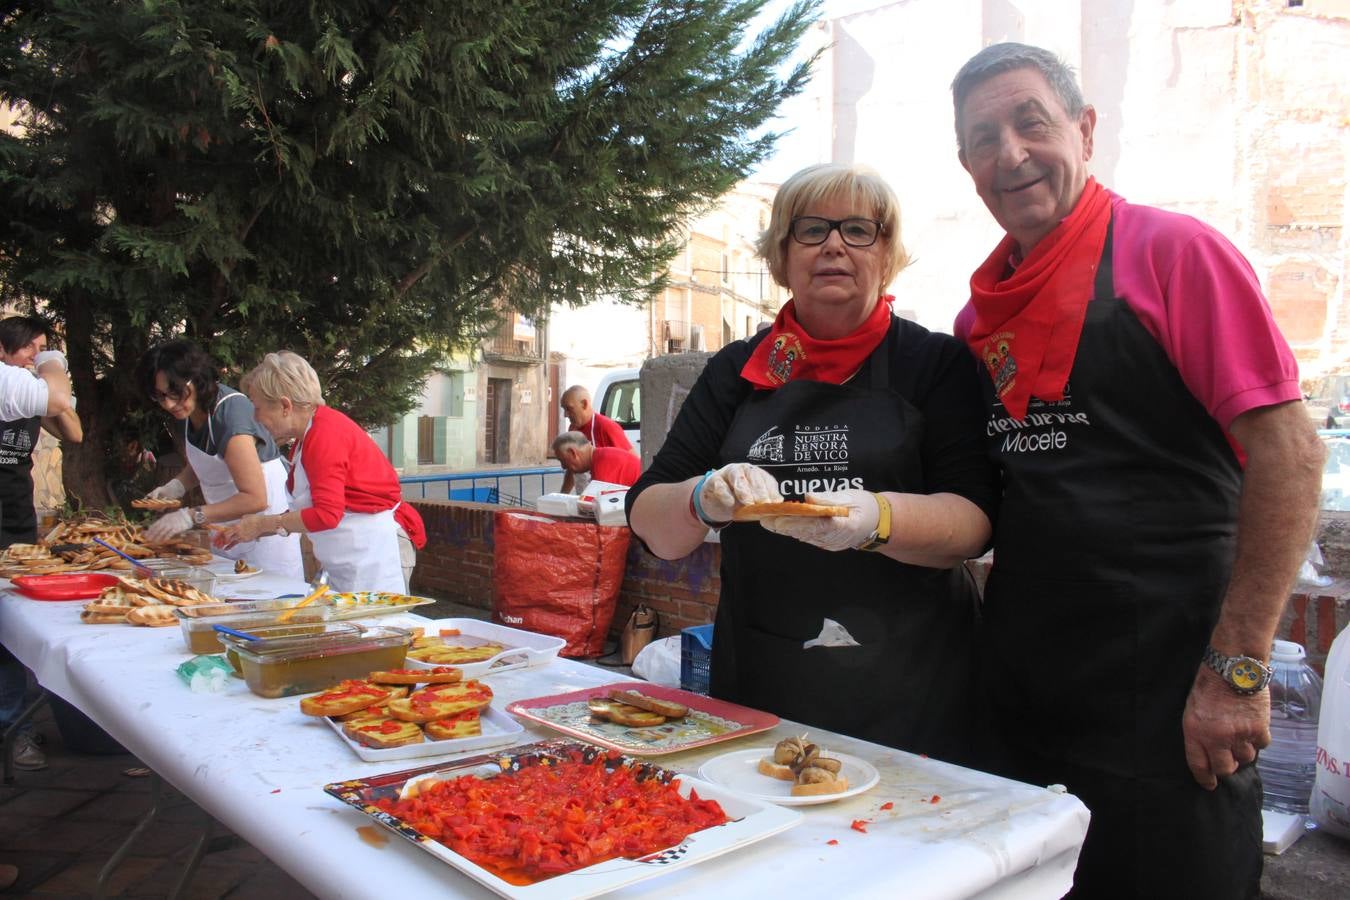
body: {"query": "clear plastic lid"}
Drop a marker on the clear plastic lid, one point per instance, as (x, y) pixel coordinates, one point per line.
(279, 643)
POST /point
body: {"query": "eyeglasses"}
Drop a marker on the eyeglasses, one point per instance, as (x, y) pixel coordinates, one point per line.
(813, 230)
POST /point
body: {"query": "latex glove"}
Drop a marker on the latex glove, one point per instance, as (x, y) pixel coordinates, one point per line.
(737, 484)
(832, 532)
(169, 525)
(173, 489)
(47, 356)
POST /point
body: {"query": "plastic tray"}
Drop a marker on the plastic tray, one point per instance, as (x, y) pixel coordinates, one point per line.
(75, 586)
(524, 649)
(498, 729)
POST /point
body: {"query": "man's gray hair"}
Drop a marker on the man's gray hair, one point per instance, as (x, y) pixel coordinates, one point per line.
(999, 58)
(567, 440)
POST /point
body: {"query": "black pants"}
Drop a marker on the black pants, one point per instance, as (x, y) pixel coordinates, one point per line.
(1162, 837)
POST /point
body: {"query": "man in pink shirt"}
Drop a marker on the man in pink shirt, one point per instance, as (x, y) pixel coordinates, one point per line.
(599, 429)
(1161, 482)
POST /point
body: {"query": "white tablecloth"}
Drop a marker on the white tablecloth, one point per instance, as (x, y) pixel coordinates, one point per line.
(259, 766)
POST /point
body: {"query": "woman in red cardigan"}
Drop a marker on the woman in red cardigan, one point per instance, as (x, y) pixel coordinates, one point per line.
(343, 491)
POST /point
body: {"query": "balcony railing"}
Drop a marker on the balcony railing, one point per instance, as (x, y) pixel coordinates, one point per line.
(502, 346)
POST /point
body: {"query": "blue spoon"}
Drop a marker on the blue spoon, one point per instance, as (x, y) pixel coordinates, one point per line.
(135, 563)
(225, 629)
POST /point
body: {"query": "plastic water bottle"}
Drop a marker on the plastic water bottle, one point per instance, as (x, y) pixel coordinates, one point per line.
(1289, 765)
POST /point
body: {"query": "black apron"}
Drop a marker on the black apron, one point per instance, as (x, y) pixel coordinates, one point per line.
(18, 519)
(908, 685)
(1113, 548)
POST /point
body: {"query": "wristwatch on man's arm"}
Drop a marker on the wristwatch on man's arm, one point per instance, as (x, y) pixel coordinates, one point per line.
(1244, 674)
(198, 516)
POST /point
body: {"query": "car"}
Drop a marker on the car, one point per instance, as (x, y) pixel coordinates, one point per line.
(619, 396)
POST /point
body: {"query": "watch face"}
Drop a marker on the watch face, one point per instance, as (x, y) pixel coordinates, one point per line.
(1245, 675)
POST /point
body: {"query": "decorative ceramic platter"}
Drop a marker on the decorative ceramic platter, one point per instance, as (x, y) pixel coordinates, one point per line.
(750, 820)
(709, 721)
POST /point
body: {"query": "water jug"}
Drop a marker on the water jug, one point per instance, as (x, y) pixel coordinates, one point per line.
(1289, 765)
(1331, 794)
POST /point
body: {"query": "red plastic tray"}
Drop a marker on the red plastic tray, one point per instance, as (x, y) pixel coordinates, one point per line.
(76, 586)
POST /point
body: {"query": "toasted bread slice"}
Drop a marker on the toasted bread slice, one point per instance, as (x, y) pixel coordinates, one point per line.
(438, 675)
(774, 770)
(155, 616)
(668, 708)
(623, 714)
(467, 724)
(383, 733)
(349, 696)
(441, 701)
(378, 711)
(753, 512)
(838, 785)
(90, 617)
(156, 503)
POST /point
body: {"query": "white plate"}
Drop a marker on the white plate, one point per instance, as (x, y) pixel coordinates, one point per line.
(223, 569)
(738, 771)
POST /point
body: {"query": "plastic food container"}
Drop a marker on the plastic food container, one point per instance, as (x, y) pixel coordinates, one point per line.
(287, 664)
(197, 622)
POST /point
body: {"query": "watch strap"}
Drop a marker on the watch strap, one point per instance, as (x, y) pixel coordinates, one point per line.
(881, 535)
(198, 516)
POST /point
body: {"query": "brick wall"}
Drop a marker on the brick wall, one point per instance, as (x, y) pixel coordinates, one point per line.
(457, 565)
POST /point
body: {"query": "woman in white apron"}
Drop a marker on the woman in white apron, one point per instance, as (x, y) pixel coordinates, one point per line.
(344, 493)
(229, 455)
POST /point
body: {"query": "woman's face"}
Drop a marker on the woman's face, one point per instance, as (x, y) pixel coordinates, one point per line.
(274, 416)
(834, 281)
(24, 356)
(180, 406)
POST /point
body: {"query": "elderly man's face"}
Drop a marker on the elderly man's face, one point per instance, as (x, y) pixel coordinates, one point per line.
(1027, 156)
(577, 408)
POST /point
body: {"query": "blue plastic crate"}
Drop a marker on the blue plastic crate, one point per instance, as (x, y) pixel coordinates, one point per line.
(696, 657)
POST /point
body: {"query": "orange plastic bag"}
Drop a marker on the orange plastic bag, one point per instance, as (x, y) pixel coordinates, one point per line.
(558, 577)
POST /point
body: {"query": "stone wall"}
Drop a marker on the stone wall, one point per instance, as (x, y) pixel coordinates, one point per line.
(457, 565)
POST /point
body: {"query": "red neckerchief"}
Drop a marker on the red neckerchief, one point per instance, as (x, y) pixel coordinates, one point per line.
(788, 353)
(1027, 326)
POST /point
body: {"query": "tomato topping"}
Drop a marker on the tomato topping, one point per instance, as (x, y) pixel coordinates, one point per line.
(887, 805)
(385, 727)
(936, 798)
(860, 825)
(832, 842)
(544, 820)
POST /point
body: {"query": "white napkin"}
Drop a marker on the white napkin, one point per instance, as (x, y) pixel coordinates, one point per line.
(832, 634)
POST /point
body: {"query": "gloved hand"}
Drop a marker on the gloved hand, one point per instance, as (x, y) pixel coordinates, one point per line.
(169, 525)
(47, 356)
(731, 486)
(173, 489)
(832, 532)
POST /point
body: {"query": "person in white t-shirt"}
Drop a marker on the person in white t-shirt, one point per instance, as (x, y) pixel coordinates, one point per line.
(28, 400)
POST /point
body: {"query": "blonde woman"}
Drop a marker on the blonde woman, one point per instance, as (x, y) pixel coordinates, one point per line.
(343, 491)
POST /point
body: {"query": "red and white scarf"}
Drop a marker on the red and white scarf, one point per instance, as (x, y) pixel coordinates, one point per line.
(788, 353)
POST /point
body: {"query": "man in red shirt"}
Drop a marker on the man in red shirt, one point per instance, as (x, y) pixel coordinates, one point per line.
(600, 430)
(608, 464)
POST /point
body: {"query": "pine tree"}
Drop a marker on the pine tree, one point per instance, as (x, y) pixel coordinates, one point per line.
(367, 183)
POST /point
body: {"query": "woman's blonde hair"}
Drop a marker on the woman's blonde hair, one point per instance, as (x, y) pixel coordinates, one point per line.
(284, 374)
(858, 184)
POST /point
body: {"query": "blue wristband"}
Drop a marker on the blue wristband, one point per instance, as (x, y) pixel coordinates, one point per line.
(698, 507)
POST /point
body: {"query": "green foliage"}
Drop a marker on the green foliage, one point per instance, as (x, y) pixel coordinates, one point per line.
(368, 183)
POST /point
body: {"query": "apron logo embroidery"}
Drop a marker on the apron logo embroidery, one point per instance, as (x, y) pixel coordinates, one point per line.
(998, 359)
(768, 447)
(786, 350)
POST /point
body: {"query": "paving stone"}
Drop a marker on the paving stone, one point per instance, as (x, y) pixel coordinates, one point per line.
(79, 877)
(44, 803)
(115, 807)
